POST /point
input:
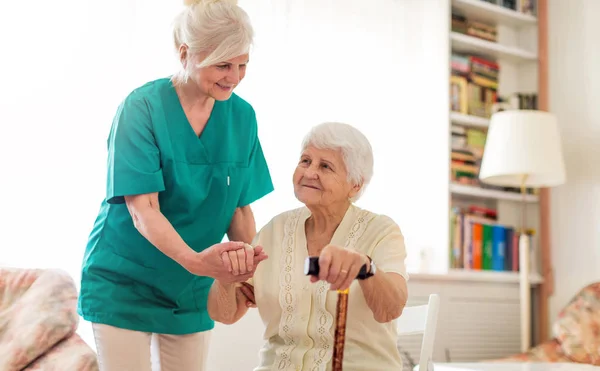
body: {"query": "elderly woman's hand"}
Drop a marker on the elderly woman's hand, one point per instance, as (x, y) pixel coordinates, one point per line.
(247, 290)
(339, 266)
(245, 260)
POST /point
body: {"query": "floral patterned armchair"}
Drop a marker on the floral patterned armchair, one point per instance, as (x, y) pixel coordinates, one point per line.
(38, 320)
(576, 333)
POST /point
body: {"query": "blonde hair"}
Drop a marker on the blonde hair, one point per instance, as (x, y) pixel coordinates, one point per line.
(217, 27)
(354, 146)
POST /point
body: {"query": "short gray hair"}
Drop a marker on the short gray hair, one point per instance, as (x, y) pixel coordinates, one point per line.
(354, 146)
(218, 27)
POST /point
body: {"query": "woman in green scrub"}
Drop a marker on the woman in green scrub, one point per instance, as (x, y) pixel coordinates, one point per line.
(184, 164)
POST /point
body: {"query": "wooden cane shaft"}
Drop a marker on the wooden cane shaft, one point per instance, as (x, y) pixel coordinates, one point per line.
(340, 330)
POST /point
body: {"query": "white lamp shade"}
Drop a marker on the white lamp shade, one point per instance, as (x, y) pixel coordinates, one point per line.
(523, 142)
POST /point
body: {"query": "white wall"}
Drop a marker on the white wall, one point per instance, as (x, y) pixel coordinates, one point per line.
(574, 56)
(235, 347)
(66, 65)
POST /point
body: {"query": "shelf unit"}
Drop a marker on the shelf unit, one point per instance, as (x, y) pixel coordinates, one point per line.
(466, 275)
(515, 51)
(492, 13)
(468, 120)
(472, 45)
(477, 192)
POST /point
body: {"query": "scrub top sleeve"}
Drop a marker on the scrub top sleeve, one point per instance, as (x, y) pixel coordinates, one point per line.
(133, 155)
(258, 179)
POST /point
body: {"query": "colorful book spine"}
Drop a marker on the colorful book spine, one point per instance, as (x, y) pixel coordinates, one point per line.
(498, 247)
(487, 247)
(479, 242)
(477, 246)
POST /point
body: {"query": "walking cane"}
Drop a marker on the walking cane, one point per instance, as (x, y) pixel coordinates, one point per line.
(311, 268)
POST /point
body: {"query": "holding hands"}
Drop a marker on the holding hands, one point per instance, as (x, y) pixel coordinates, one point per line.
(227, 262)
(339, 266)
(243, 261)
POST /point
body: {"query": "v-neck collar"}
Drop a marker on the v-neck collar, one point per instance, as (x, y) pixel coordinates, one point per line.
(339, 237)
(199, 143)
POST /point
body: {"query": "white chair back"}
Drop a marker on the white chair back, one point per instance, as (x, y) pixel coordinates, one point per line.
(421, 319)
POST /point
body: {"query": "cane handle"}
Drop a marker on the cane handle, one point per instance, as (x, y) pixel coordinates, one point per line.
(311, 268)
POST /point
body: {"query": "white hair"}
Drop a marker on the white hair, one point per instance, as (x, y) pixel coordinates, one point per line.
(354, 146)
(217, 27)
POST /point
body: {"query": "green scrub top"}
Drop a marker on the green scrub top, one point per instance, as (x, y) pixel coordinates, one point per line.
(127, 282)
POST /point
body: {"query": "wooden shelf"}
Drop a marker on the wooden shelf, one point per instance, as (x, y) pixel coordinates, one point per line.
(494, 14)
(476, 192)
(474, 276)
(468, 120)
(473, 45)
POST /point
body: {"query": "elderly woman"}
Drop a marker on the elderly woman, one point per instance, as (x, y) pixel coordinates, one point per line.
(335, 167)
(184, 164)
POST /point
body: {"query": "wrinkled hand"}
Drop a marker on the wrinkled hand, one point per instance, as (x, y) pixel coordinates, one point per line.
(244, 260)
(247, 290)
(209, 263)
(339, 266)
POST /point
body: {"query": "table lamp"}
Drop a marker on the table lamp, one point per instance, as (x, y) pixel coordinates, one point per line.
(523, 150)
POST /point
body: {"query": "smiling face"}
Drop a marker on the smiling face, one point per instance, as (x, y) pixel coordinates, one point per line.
(321, 178)
(217, 81)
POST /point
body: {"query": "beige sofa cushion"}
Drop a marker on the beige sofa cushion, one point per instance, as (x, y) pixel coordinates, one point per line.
(37, 311)
(577, 328)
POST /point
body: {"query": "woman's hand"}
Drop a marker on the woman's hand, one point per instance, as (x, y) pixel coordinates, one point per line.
(244, 261)
(339, 266)
(247, 290)
(209, 263)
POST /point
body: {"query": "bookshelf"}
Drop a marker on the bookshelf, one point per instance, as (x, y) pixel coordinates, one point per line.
(492, 13)
(472, 45)
(477, 192)
(462, 275)
(493, 66)
(468, 120)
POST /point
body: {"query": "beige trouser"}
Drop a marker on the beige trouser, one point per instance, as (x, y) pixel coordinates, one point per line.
(125, 350)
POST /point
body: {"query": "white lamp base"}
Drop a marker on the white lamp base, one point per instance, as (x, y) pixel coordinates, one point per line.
(525, 287)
